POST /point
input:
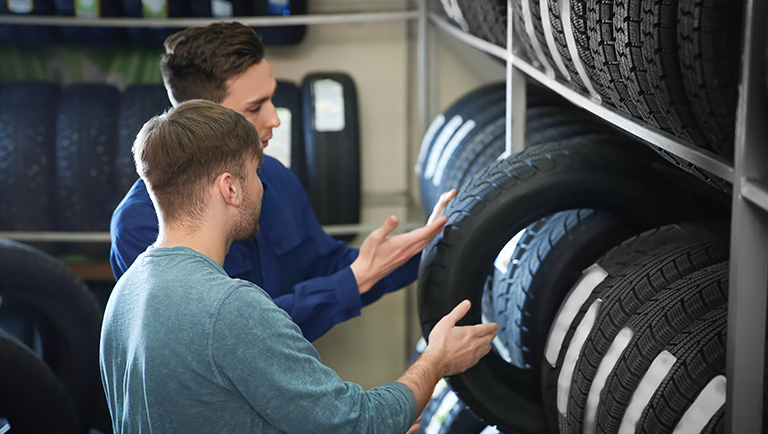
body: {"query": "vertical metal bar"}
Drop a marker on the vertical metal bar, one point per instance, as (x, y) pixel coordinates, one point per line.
(515, 110)
(424, 66)
(749, 239)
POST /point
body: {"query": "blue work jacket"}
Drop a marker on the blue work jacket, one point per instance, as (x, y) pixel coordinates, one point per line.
(304, 270)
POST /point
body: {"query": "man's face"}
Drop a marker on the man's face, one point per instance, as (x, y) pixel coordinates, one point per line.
(250, 94)
(247, 225)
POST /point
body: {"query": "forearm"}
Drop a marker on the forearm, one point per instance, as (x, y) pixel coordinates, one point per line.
(422, 377)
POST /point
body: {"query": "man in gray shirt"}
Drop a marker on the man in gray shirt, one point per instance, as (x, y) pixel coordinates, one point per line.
(187, 349)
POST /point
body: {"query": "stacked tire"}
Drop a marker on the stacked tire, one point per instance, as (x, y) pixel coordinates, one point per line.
(535, 240)
(672, 65)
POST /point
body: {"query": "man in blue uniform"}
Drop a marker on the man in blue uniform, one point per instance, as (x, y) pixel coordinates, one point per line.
(318, 280)
(187, 349)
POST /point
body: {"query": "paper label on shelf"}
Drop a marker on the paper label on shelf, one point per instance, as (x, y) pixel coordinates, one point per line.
(87, 8)
(279, 145)
(155, 8)
(20, 6)
(222, 9)
(329, 105)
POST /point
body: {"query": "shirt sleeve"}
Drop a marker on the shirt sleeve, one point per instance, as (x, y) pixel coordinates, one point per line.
(132, 229)
(258, 353)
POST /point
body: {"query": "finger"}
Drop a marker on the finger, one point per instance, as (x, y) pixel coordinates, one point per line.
(458, 312)
(439, 207)
(389, 225)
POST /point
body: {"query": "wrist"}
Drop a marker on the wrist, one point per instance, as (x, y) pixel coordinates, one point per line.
(364, 280)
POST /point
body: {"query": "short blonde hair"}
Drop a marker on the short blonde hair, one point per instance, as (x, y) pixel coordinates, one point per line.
(181, 152)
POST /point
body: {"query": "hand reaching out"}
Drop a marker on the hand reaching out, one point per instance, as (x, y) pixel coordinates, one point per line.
(380, 253)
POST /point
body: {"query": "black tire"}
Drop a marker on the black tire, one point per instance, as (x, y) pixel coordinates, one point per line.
(68, 319)
(541, 39)
(621, 296)
(575, 306)
(332, 148)
(30, 35)
(652, 327)
(700, 353)
(283, 35)
(522, 43)
(93, 36)
(605, 57)
(443, 128)
(138, 104)
(590, 52)
(86, 147)
(461, 420)
(155, 37)
(27, 155)
(287, 143)
(472, 137)
(558, 32)
(33, 400)
(529, 295)
(709, 35)
(658, 27)
(501, 201)
(441, 390)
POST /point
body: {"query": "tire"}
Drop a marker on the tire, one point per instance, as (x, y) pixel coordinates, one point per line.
(605, 56)
(652, 327)
(522, 44)
(27, 155)
(659, 30)
(68, 319)
(283, 35)
(443, 128)
(86, 147)
(91, 36)
(29, 35)
(287, 143)
(576, 304)
(461, 420)
(474, 135)
(502, 200)
(529, 295)
(709, 35)
(558, 33)
(623, 295)
(441, 390)
(155, 37)
(33, 401)
(332, 141)
(138, 104)
(699, 354)
(541, 39)
(584, 30)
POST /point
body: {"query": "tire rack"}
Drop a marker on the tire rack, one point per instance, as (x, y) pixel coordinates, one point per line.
(382, 199)
(748, 174)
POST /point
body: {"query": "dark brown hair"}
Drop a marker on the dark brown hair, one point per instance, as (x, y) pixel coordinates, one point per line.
(181, 152)
(198, 61)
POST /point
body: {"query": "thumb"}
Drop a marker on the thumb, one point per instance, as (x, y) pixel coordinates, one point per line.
(458, 312)
(389, 225)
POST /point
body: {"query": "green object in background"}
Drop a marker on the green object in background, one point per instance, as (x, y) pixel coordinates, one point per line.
(120, 66)
(154, 8)
(87, 8)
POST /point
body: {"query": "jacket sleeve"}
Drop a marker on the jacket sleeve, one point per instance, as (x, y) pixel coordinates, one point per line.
(258, 353)
(132, 229)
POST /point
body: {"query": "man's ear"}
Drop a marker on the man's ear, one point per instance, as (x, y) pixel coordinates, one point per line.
(229, 189)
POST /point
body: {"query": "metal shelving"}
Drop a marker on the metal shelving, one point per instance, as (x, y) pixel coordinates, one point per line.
(748, 297)
(373, 199)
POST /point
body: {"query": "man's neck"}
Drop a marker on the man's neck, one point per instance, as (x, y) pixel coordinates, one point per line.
(203, 241)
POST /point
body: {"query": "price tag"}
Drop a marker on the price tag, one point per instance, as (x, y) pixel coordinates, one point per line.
(329, 105)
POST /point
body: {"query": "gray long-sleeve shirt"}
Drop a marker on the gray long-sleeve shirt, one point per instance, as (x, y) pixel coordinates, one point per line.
(187, 349)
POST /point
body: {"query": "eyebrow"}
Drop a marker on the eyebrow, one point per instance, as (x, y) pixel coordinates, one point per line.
(262, 100)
